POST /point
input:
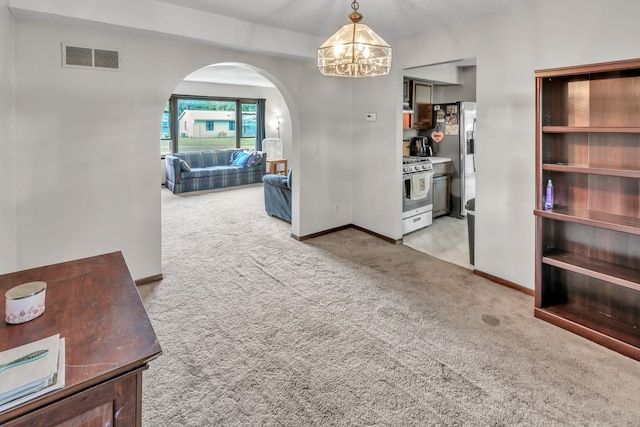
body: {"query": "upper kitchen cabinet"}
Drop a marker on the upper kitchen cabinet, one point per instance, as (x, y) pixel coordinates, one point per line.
(422, 109)
(420, 97)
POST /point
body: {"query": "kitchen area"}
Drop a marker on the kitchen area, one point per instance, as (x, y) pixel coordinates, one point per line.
(438, 160)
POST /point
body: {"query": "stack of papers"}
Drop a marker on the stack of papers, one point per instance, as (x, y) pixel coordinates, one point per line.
(31, 370)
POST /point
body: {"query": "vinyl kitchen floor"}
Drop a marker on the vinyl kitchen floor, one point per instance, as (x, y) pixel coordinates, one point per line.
(445, 239)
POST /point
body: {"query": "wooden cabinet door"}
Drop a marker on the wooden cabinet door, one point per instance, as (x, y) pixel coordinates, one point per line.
(113, 403)
(422, 108)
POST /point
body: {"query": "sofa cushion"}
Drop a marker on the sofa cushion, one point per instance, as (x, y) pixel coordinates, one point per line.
(220, 158)
(208, 159)
(210, 171)
(184, 166)
(255, 159)
(193, 159)
(245, 158)
(234, 155)
(241, 159)
(277, 180)
(252, 158)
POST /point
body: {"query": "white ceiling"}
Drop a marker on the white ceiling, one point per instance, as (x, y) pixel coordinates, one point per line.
(228, 74)
(388, 18)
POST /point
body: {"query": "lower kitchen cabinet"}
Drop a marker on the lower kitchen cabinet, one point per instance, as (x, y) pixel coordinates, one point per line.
(441, 186)
(441, 191)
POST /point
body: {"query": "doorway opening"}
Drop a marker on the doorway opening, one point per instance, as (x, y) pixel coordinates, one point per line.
(448, 136)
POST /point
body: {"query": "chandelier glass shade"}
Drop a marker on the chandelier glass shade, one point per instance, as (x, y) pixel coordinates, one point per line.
(355, 50)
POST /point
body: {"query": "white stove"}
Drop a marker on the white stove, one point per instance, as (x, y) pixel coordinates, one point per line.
(416, 164)
(416, 208)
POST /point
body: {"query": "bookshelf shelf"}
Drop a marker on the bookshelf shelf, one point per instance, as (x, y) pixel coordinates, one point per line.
(588, 129)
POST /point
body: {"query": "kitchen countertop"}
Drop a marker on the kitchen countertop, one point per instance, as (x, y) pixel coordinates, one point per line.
(439, 159)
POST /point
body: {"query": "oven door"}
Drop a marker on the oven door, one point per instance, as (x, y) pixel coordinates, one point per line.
(411, 207)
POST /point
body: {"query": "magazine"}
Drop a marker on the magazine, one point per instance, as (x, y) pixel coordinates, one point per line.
(31, 370)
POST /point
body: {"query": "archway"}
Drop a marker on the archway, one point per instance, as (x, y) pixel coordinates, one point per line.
(231, 80)
(236, 81)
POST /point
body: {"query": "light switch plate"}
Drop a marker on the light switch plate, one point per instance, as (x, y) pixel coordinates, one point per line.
(371, 117)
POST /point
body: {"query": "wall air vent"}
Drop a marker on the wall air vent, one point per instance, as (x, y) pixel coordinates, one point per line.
(86, 57)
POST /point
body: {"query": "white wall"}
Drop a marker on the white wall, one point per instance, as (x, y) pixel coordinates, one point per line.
(377, 154)
(87, 182)
(466, 91)
(509, 46)
(88, 176)
(7, 143)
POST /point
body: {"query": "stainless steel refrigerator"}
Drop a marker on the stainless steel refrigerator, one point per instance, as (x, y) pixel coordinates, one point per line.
(457, 121)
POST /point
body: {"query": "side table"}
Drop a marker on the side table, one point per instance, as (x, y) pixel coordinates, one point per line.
(272, 166)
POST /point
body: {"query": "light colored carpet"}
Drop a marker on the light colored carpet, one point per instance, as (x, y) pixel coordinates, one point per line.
(345, 329)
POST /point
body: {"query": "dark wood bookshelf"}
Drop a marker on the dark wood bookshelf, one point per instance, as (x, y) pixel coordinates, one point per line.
(587, 257)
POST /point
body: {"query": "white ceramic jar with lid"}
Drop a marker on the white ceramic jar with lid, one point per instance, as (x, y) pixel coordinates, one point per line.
(25, 302)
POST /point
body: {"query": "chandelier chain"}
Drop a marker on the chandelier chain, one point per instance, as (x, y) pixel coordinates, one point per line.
(355, 16)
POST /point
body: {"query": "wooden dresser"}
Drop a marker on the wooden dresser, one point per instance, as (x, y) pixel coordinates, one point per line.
(93, 303)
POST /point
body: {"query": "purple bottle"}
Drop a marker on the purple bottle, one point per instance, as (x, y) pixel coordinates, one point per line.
(548, 199)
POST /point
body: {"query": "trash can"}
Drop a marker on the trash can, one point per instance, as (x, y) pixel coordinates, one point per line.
(470, 206)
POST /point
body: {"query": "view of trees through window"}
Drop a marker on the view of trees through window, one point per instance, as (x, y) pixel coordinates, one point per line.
(194, 123)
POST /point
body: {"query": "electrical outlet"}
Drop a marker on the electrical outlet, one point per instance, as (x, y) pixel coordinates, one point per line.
(337, 208)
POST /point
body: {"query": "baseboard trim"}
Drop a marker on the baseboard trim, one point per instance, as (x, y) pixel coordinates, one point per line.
(344, 227)
(320, 233)
(150, 279)
(506, 283)
(379, 236)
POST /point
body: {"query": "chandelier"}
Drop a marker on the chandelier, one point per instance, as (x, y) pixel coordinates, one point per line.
(354, 51)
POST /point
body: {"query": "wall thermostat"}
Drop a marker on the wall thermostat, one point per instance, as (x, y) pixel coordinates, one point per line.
(370, 117)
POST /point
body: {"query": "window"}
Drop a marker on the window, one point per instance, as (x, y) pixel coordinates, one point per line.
(165, 131)
(207, 123)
